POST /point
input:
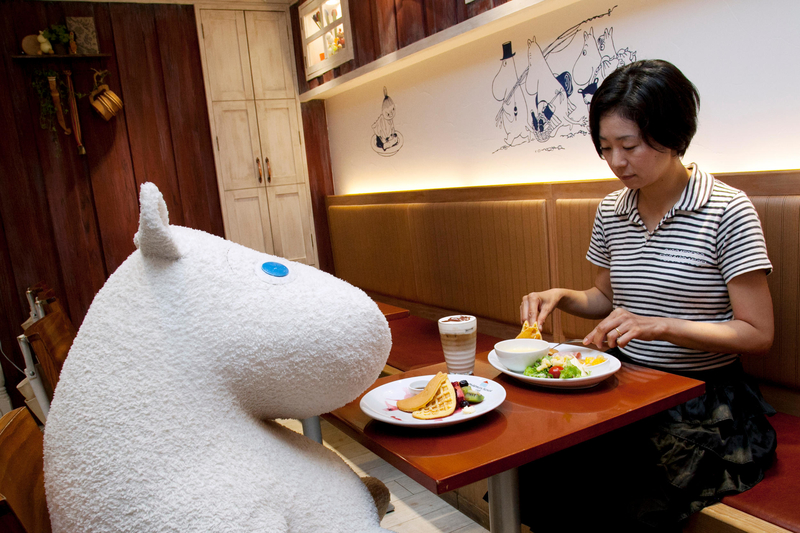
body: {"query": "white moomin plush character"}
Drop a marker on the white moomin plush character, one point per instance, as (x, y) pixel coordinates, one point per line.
(162, 418)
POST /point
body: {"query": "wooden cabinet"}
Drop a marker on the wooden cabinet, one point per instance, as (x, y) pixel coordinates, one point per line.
(254, 112)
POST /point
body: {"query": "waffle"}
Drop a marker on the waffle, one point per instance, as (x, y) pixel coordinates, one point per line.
(443, 403)
(418, 401)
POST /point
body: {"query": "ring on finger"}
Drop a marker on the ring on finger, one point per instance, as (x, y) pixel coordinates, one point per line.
(619, 333)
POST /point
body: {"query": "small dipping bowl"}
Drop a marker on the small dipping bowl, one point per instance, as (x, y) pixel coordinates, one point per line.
(418, 386)
(518, 354)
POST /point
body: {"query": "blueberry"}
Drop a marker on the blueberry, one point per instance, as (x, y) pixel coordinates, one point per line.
(464, 403)
(464, 383)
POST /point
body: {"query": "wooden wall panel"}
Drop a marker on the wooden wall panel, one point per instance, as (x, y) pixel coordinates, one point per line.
(320, 176)
(144, 94)
(107, 147)
(69, 219)
(385, 29)
(362, 22)
(297, 43)
(410, 21)
(186, 97)
(440, 15)
(467, 11)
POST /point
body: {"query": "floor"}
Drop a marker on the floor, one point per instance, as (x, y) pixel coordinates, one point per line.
(416, 510)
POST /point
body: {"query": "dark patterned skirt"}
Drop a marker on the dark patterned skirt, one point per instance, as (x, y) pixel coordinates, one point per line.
(650, 476)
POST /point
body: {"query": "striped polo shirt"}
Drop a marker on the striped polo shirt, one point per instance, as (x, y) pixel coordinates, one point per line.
(680, 270)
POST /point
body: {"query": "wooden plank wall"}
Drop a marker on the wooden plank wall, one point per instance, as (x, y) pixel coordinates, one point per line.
(381, 27)
(69, 219)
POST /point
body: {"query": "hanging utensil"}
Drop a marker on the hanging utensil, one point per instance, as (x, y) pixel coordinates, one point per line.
(73, 107)
(57, 104)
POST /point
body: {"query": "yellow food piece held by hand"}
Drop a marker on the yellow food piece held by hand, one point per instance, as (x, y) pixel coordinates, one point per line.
(421, 399)
(529, 332)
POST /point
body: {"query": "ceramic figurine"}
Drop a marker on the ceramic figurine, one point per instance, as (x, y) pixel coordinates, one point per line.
(44, 44)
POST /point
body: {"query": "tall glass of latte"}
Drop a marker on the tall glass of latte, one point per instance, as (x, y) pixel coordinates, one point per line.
(459, 334)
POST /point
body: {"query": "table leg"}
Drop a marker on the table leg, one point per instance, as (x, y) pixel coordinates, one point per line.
(312, 429)
(504, 502)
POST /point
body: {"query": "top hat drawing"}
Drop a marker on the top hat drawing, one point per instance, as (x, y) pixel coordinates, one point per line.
(507, 53)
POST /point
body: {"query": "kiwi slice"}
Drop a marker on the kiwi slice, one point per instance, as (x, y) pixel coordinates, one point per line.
(473, 397)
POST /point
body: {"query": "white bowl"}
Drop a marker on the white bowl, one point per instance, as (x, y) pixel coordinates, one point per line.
(518, 354)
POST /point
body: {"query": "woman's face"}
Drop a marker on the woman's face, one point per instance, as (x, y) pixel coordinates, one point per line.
(633, 161)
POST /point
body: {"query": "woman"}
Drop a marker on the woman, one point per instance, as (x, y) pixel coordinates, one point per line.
(681, 287)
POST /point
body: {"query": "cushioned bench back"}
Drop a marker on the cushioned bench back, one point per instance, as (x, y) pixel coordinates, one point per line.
(481, 256)
(780, 219)
(573, 230)
(474, 257)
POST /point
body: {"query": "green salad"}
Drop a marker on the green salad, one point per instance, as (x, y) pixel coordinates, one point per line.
(557, 366)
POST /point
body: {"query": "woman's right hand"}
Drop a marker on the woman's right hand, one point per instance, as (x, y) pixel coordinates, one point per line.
(537, 306)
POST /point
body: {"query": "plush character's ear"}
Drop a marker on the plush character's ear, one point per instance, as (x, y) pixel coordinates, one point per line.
(154, 237)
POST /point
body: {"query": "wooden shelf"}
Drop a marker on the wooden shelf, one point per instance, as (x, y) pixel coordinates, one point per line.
(68, 56)
(492, 21)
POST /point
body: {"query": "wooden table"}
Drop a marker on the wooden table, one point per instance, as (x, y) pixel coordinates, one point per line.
(392, 312)
(531, 423)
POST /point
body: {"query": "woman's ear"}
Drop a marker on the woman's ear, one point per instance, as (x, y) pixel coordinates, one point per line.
(154, 237)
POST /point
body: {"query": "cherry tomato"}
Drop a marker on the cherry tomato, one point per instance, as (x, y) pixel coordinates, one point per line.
(555, 371)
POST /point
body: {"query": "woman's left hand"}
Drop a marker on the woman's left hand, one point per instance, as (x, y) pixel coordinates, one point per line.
(619, 327)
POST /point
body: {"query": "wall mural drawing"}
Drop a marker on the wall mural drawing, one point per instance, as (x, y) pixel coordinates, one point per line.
(387, 141)
(550, 97)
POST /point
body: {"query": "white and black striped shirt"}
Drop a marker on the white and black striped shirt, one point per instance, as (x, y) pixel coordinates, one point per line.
(681, 270)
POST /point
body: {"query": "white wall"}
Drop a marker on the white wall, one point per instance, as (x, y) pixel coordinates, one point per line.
(741, 54)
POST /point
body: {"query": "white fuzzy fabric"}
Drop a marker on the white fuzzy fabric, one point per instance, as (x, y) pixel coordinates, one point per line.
(161, 419)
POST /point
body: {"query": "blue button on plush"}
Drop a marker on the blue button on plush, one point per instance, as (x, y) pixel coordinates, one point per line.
(276, 270)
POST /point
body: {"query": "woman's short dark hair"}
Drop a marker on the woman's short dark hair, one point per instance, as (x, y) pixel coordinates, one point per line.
(656, 96)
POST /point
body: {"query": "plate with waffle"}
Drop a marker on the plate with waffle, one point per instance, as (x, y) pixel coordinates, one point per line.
(443, 401)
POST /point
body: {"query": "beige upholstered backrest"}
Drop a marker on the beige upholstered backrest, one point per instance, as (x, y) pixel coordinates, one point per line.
(372, 248)
(479, 250)
(473, 257)
(780, 219)
(573, 230)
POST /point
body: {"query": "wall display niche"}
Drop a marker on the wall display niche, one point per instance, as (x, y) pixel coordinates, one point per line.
(325, 29)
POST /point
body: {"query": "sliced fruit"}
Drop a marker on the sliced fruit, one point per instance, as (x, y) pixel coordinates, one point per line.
(459, 392)
(473, 397)
(421, 399)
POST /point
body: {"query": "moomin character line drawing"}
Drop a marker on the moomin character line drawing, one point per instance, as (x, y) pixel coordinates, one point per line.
(551, 96)
(387, 141)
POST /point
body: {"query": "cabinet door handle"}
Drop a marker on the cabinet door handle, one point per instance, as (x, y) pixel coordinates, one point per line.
(269, 170)
(260, 173)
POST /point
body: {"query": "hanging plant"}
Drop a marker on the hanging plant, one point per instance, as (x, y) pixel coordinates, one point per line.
(47, 111)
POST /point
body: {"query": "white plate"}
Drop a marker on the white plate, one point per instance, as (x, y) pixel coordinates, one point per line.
(381, 403)
(598, 372)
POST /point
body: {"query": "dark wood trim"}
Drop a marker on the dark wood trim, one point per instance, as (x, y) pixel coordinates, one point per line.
(440, 15)
(384, 27)
(410, 21)
(185, 96)
(320, 176)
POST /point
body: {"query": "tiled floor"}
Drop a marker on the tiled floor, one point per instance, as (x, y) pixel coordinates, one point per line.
(417, 510)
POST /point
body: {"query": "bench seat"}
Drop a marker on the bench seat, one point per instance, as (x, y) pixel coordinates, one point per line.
(415, 343)
(777, 498)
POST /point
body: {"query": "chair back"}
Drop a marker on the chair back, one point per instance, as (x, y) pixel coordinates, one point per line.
(51, 338)
(21, 473)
